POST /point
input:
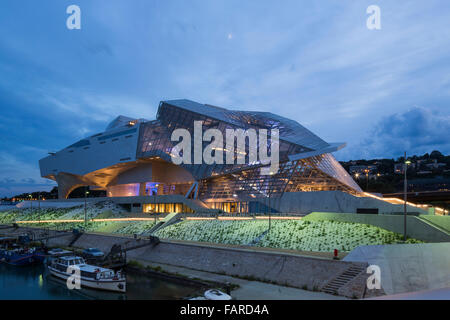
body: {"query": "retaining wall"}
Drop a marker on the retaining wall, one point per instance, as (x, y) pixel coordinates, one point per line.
(415, 227)
(334, 201)
(280, 268)
(408, 267)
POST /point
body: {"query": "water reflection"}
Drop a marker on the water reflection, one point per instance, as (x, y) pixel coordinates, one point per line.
(34, 283)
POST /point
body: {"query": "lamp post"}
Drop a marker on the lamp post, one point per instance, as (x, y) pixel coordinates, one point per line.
(367, 179)
(270, 217)
(31, 202)
(405, 189)
(85, 207)
(39, 207)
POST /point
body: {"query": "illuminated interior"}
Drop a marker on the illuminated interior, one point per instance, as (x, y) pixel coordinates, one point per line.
(123, 190)
(166, 208)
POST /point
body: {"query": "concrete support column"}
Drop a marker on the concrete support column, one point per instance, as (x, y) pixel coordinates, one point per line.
(142, 186)
(67, 183)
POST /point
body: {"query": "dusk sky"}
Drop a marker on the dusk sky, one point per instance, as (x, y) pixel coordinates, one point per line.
(382, 91)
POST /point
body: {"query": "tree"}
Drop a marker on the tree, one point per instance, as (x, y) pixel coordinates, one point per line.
(436, 155)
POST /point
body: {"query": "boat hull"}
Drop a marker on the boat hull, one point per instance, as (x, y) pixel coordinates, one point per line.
(22, 259)
(105, 285)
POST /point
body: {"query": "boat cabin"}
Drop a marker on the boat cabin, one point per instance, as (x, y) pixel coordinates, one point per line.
(86, 270)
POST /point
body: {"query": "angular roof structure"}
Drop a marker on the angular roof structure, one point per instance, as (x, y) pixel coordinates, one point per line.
(138, 151)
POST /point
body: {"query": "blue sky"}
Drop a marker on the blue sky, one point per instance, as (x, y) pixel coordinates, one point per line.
(381, 91)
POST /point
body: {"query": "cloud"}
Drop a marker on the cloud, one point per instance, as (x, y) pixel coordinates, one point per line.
(28, 180)
(19, 176)
(7, 181)
(416, 131)
(314, 63)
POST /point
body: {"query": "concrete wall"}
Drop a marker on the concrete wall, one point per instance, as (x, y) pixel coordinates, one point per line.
(284, 269)
(442, 222)
(408, 267)
(291, 202)
(169, 173)
(47, 204)
(99, 153)
(334, 201)
(141, 173)
(415, 227)
(194, 204)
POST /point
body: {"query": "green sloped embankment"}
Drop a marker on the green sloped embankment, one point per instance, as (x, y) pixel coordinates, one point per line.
(416, 227)
(442, 222)
(299, 235)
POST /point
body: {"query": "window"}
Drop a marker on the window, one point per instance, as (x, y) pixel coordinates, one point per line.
(80, 143)
(117, 134)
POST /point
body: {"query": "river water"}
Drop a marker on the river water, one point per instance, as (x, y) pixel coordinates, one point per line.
(33, 283)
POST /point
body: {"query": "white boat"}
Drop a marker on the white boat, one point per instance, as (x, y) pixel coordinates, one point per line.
(59, 252)
(198, 298)
(90, 276)
(215, 294)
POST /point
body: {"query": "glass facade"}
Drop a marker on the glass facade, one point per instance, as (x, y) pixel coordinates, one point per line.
(166, 208)
(123, 190)
(229, 182)
(305, 161)
(155, 139)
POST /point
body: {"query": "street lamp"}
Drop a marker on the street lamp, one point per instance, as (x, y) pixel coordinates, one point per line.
(31, 202)
(39, 206)
(270, 220)
(85, 209)
(367, 179)
(405, 187)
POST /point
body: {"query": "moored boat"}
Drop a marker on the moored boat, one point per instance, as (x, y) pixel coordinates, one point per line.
(22, 256)
(58, 252)
(214, 294)
(90, 276)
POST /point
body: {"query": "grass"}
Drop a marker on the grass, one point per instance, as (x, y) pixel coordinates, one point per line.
(318, 236)
(101, 210)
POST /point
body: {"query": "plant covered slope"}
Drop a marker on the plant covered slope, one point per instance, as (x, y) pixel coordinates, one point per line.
(11, 216)
(118, 227)
(230, 232)
(321, 236)
(99, 210)
(135, 227)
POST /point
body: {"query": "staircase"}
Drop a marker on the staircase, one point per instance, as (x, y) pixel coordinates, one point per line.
(334, 285)
(199, 206)
(76, 236)
(258, 238)
(170, 219)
